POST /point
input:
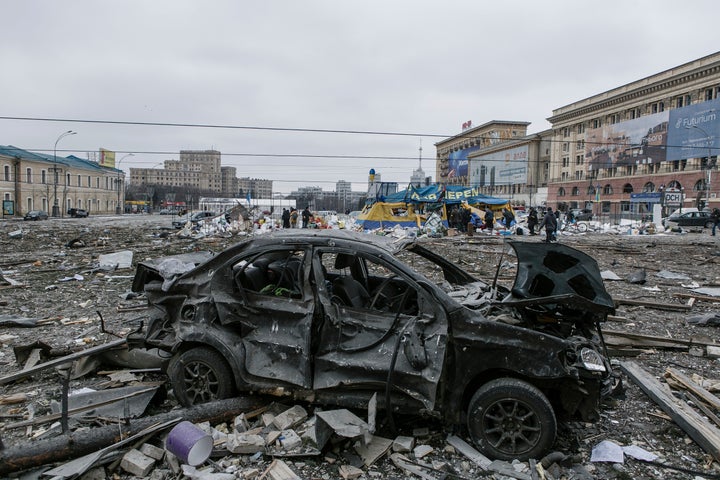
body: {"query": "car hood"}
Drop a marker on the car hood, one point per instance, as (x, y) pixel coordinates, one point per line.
(552, 273)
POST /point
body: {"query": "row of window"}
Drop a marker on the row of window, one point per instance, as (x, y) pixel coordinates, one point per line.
(45, 204)
(111, 183)
(684, 100)
(649, 187)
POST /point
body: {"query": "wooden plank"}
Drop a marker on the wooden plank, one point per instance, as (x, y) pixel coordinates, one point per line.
(658, 306)
(698, 297)
(705, 434)
(696, 389)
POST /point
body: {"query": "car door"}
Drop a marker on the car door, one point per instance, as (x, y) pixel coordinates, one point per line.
(385, 333)
(272, 306)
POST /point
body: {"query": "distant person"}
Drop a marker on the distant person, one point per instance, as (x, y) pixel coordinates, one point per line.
(489, 220)
(306, 217)
(550, 224)
(286, 218)
(508, 217)
(293, 217)
(715, 215)
(532, 220)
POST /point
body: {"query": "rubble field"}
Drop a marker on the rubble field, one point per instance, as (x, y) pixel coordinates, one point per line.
(66, 288)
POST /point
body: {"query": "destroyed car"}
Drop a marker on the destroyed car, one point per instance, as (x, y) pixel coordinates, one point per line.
(333, 317)
(194, 218)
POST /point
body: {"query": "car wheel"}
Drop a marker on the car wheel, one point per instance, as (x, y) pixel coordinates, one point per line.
(200, 375)
(509, 419)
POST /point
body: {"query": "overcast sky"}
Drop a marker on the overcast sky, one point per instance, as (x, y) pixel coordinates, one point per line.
(413, 67)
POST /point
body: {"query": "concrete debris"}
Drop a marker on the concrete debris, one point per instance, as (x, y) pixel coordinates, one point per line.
(137, 463)
(403, 444)
(116, 261)
(290, 418)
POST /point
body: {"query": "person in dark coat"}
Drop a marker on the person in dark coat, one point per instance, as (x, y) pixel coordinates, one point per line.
(489, 219)
(508, 217)
(532, 220)
(550, 223)
(306, 217)
(286, 218)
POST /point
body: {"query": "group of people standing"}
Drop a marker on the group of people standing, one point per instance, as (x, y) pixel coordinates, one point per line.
(290, 217)
(550, 222)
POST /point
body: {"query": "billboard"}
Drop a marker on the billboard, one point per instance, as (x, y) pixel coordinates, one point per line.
(693, 131)
(458, 162)
(507, 167)
(107, 158)
(638, 141)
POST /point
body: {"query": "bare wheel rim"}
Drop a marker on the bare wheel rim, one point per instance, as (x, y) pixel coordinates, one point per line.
(201, 382)
(511, 426)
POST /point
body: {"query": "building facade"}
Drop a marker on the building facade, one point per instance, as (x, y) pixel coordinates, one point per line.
(36, 181)
(651, 141)
(451, 163)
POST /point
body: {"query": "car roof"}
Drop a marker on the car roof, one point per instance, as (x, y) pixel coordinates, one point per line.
(341, 238)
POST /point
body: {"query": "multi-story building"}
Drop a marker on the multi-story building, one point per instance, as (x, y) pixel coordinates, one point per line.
(653, 140)
(452, 153)
(255, 187)
(36, 181)
(196, 169)
(229, 180)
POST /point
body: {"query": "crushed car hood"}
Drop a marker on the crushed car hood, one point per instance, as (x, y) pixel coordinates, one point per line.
(561, 274)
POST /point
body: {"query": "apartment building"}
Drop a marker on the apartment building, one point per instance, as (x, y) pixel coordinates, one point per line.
(652, 141)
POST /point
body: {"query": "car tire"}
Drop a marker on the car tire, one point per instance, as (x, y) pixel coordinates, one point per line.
(200, 375)
(510, 418)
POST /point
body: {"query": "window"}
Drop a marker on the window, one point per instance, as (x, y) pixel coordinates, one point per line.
(579, 159)
(607, 189)
(79, 181)
(614, 118)
(28, 176)
(561, 192)
(276, 273)
(575, 191)
(579, 174)
(6, 173)
(566, 132)
(43, 176)
(580, 145)
(634, 113)
(627, 188)
(88, 179)
(649, 187)
(699, 186)
(580, 128)
(565, 161)
(67, 179)
(597, 123)
(591, 190)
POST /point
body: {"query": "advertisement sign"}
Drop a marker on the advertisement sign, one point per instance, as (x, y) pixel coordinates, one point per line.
(646, 197)
(639, 141)
(507, 167)
(8, 207)
(693, 131)
(458, 162)
(107, 158)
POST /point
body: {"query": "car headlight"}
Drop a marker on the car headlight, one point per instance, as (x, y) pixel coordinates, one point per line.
(592, 360)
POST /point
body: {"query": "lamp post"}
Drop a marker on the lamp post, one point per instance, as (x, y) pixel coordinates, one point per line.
(708, 166)
(56, 207)
(118, 208)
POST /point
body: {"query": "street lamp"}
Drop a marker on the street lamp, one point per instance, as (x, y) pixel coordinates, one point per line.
(708, 166)
(56, 207)
(118, 209)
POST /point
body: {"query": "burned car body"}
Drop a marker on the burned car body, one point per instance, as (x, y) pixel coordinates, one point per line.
(333, 317)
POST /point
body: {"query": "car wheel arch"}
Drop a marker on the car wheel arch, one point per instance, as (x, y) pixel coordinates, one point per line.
(232, 357)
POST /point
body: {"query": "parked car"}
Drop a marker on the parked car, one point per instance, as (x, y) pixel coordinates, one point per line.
(36, 215)
(334, 317)
(690, 218)
(77, 212)
(193, 218)
(582, 214)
